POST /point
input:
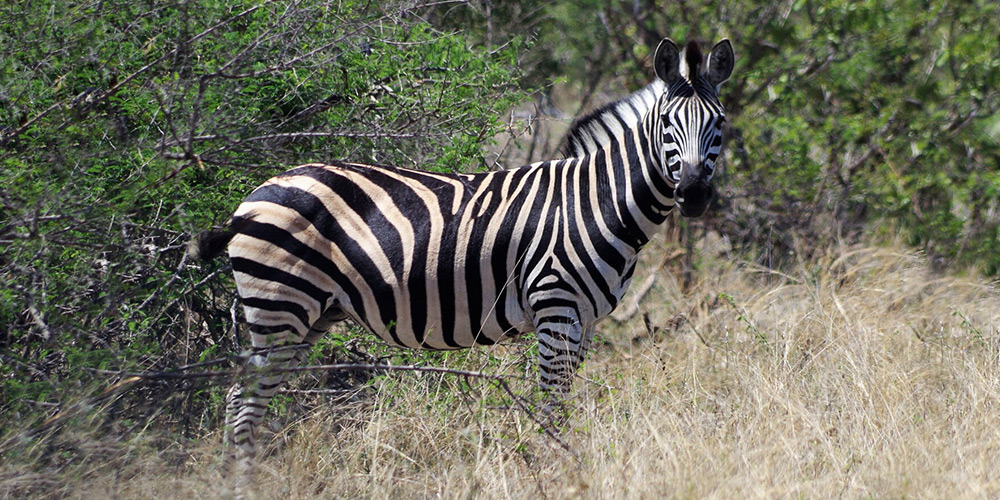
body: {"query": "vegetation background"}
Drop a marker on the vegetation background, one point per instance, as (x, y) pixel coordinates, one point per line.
(832, 328)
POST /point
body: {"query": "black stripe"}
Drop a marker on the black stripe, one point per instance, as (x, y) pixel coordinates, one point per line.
(550, 302)
(293, 308)
(269, 329)
(485, 340)
(269, 387)
(557, 372)
(283, 239)
(446, 262)
(627, 275)
(551, 286)
(474, 255)
(268, 273)
(559, 320)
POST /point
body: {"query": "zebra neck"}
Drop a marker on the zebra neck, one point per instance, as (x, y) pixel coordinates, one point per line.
(652, 188)
(630, 183)
(591, 132)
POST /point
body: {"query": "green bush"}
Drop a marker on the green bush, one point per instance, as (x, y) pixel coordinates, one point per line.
(125, 127)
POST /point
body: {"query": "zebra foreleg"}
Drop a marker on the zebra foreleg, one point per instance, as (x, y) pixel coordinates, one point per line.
(561, 346)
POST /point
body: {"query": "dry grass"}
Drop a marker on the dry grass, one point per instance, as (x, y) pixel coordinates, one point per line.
(860, 374)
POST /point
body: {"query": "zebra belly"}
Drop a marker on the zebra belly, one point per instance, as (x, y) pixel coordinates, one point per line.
(457, 330)
(292, 277)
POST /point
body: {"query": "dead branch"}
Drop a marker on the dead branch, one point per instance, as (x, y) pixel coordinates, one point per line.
(627, 313)
(348, 367)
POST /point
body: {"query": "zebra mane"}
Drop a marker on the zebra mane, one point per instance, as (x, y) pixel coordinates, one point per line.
(693, 58)
(590, 132)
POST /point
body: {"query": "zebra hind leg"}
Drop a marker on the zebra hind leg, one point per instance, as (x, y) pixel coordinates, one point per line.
(246, 403)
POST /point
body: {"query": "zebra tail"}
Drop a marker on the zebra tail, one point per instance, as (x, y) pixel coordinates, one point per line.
(209, 243)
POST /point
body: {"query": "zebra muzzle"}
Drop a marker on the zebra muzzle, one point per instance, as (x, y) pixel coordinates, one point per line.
(693, 196)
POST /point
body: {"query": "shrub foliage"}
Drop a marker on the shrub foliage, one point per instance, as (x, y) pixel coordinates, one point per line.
(846, 118)
(129, 126)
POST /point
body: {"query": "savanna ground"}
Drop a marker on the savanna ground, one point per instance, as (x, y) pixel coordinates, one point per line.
(859, 374)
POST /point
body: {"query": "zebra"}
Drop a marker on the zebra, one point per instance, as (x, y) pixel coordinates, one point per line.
(447, 261)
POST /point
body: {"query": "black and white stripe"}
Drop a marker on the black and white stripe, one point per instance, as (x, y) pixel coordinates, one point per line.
(589, 133)
(443, 261)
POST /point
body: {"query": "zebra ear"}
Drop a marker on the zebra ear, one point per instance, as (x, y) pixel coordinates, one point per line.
(720, 63)
(667, 61)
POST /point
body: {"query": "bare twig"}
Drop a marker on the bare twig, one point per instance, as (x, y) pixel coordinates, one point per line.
(633, 308)
(348, 367)
(325, 392)
(167, 285)
(288, 136)
(39, 320)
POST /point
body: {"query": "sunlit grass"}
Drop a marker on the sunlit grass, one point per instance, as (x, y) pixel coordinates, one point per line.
(856, 374)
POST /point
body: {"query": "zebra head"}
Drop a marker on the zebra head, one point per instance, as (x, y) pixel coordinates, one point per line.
(690, 119)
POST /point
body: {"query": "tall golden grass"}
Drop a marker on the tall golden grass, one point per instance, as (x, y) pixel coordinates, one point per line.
(856, 374)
